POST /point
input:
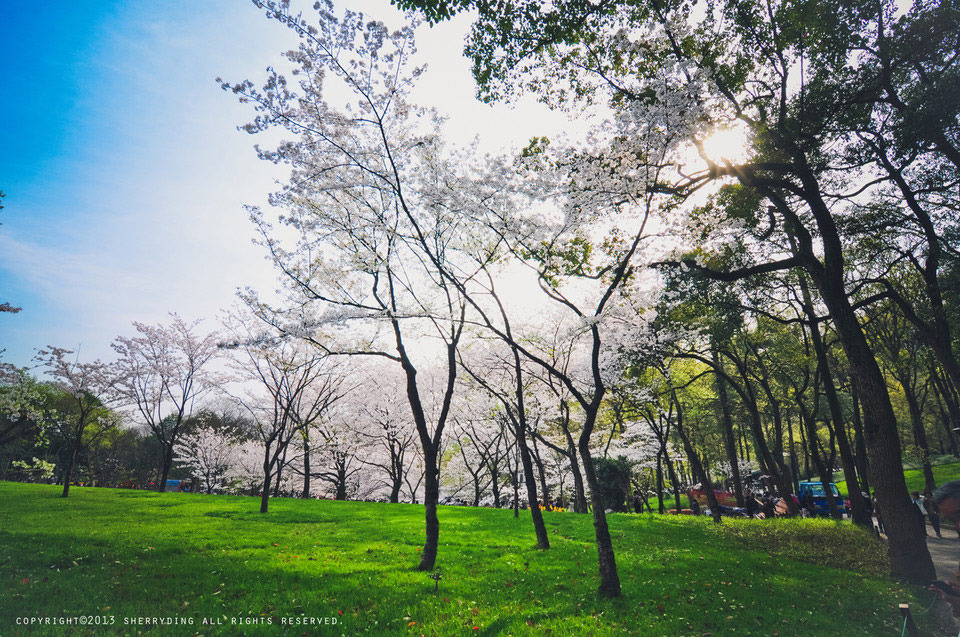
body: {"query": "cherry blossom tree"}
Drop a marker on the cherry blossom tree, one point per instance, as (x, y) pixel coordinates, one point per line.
(360, 157)
(291, 386)
(84, 417)
(20, 403)
(162, 372)
(209, 454)
(382, 421)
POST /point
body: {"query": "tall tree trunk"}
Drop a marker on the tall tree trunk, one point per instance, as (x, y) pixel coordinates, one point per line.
(609, 578)
(167, 463)
(431, 495)
(695, 465)
(808, 422)
(728, 437)
(857, 504)
(763, 452)
(919, 434)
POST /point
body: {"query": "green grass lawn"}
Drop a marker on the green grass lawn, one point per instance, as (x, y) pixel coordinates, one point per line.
(941, 473)
(132, 554)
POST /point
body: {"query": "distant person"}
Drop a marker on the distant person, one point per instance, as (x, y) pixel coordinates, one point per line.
(876, 509)
(637, 501)
(868, 505)
(933, 512)
(917, 500)
(694, 503)
(808, 504)
(769, 509)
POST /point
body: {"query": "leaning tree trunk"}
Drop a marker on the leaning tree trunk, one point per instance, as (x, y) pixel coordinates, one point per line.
(908, 552)
(763, 452)
(68, 474)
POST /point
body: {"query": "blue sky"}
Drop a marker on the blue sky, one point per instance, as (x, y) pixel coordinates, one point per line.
(125, 175)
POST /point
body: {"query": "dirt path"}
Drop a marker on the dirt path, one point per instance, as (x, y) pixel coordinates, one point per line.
(945, 552)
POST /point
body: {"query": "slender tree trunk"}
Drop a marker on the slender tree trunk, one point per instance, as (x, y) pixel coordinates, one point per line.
(541, 472)
(396, 476)
(672, 474)
(609, 578)
(306, 467)
(476, 489)
(919, 434)
(807, 420)
(729, 441)
(265, 494)
(763, 451)
(794, 468)
(580, 496)
(857, 504)
(950, 414)
(697, 467)
(805, 448)
(516, 493)
(660, 508)
(540, 529)
(945, 393)
(167, 463)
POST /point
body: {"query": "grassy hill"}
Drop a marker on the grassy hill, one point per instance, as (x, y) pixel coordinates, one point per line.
(217, 566)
